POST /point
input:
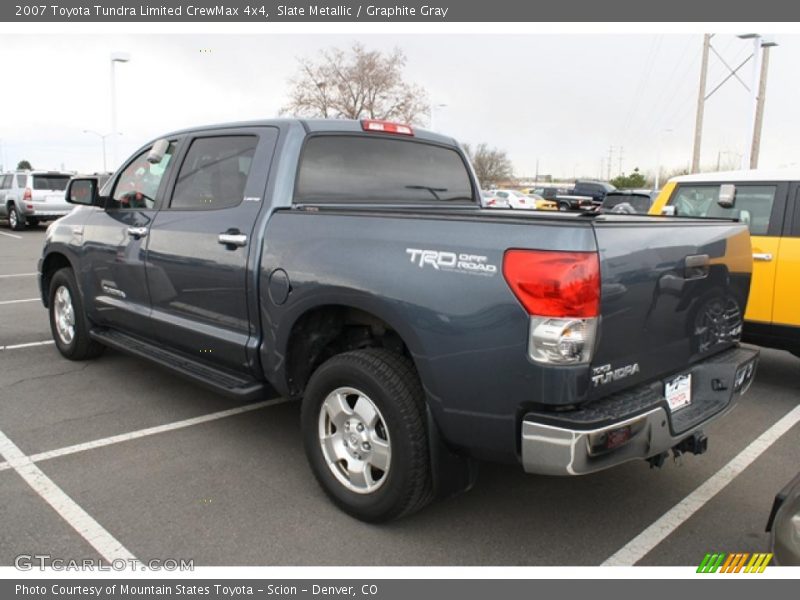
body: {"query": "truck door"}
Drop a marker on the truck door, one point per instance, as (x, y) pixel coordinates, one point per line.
(201, 255)
(786, 310)
(115, 244)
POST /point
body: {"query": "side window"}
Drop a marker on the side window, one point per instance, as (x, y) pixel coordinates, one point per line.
(22, 180)
(214, 173)
(5, 182)
(137, 186)
(753, 204)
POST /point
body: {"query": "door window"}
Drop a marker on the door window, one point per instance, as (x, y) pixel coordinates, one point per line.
(214, 173)
(753, 204)
(138, 185)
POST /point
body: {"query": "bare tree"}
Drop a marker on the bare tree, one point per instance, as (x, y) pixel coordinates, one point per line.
(356, 84)
(491, 165)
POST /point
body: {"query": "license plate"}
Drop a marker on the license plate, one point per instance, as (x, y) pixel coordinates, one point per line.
(678, 392)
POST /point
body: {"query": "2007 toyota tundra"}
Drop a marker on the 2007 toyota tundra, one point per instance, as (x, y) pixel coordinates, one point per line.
(349, 263)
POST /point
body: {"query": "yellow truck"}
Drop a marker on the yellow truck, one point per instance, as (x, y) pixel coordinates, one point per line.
(769, 202)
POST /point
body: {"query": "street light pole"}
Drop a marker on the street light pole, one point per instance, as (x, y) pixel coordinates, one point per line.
(116, 57)
(103, 140)
(758, 88)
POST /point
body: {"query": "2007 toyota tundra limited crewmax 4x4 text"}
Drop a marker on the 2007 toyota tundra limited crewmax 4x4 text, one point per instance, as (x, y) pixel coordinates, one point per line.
(349, 264)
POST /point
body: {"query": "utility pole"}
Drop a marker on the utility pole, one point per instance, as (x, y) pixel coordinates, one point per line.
(620, 160)
(536, 177)
(759, 120)
(701, 103)
(609, 163)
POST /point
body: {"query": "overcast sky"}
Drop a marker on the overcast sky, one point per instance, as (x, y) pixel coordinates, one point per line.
(559, 99)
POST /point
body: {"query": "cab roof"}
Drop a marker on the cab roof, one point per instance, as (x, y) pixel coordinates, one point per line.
(740, 175)
(318, 126)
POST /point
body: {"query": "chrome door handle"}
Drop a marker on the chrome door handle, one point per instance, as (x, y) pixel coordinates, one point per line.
(762, 257)
(232, 239)
(137, 232)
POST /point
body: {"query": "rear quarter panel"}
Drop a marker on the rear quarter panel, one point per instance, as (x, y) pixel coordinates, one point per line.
(466, 332)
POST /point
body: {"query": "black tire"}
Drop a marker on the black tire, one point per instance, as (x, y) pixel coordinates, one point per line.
(16, 220)
(392, 384)
(81, 346)
(563, 206)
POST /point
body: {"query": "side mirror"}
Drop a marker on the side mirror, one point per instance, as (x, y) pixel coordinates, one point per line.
(83, 191)
(158, 151)
(727, 195)
(669, 211)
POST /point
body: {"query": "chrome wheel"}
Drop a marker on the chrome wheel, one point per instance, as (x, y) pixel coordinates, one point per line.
(64, 314)
(354, 440)
(12, 217)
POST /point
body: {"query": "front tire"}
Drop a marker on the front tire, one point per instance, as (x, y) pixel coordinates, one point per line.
(563, 206)
(365, 436)
(68, 322)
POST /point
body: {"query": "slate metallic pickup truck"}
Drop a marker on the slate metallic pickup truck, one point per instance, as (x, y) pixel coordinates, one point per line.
(349, 264)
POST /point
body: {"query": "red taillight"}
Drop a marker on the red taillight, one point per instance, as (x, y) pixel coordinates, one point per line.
(27, 195)
(386, 127)
(555, 284)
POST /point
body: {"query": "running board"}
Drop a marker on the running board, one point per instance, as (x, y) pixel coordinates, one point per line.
(218, 380)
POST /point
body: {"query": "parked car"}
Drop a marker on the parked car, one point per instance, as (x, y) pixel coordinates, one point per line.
(350, 265)
(597, 190)
(571, 202)
(784, 525)
(548, 193)
(768, 202)
(489, 200)
(30, 197)
(515, 199)
(540, 203)
(630, 201)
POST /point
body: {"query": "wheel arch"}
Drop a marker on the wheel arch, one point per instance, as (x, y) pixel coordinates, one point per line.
(52, 262)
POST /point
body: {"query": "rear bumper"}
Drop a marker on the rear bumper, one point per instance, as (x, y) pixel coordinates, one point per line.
(45, 209)
(561, 443)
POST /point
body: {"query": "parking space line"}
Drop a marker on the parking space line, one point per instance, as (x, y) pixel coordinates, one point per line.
(11, 235)
(26, 345)
(18, 275)
(81, 521)
(656, 533)
(4, 302)
(133, 435)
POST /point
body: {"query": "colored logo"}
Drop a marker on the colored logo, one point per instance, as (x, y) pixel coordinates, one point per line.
(737, 562)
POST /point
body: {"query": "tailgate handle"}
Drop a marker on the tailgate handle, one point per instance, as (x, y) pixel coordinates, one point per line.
(696, 266)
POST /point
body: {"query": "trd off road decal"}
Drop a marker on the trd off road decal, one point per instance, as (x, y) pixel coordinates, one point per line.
(451, 261)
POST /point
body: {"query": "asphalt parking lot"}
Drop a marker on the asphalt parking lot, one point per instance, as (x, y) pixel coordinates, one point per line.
(227, 484)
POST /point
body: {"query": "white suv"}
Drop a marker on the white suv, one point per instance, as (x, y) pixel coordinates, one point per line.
(27, 197)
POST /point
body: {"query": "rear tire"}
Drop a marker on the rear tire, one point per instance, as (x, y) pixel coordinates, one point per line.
(365, 435)
(563, 206)
(16, 220)
(68, 322)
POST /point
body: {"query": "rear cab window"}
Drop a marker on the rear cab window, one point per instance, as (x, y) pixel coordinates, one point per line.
(754, 204)
(370, 169)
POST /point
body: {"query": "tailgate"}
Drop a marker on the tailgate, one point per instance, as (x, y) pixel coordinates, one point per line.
(673, 292)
